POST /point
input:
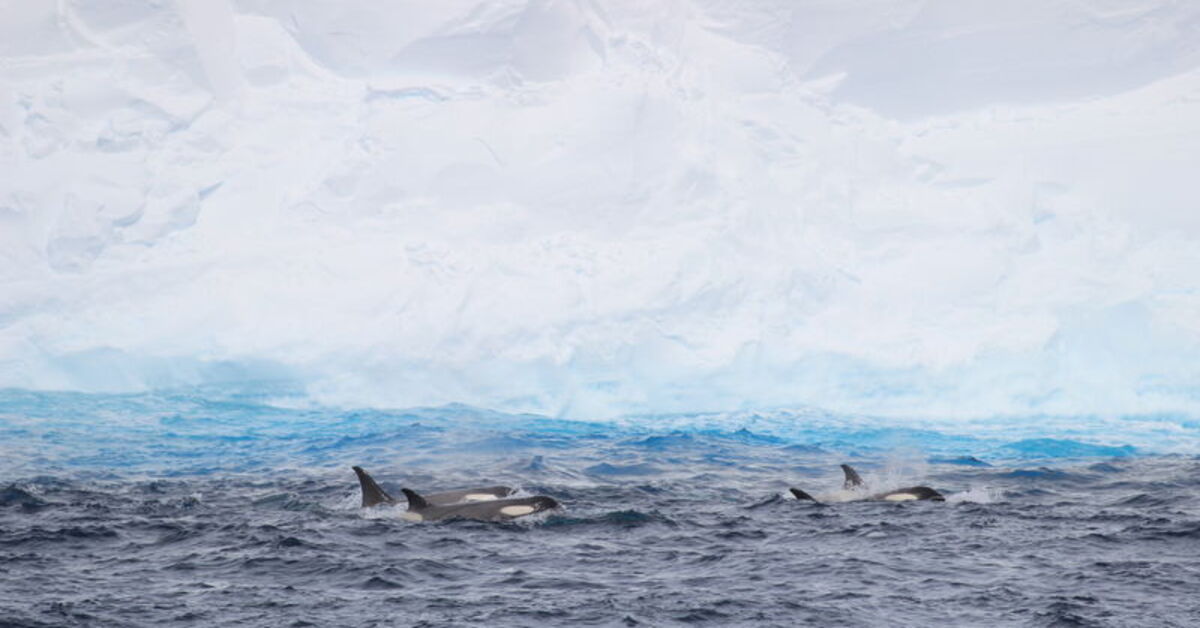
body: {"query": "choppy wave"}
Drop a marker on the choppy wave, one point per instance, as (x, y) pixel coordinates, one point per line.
(190, 508)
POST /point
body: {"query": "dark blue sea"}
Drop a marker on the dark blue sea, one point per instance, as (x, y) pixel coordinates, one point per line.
(213, 509)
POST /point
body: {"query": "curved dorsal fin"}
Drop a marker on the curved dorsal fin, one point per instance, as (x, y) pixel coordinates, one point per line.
(372, 494)
(801, 495)
(852, 479)
(415, 501)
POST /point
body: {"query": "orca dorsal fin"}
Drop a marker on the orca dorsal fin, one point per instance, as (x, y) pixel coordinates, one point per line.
(415, 501)
(372, 493)
(852, 478)
(801, 495)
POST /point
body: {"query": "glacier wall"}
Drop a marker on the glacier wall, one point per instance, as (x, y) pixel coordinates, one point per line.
(945, 209)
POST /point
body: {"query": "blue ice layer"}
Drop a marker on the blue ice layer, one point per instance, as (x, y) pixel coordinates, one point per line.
(204, 431)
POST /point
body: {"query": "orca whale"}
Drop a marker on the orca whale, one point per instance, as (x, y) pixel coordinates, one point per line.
(419, 508)
(373, 494)
(854, 481)
(490, 503)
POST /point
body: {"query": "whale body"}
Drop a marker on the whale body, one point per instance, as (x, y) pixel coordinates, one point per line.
(488, 503)
(420, 509)
(854, 481)
(373, 494)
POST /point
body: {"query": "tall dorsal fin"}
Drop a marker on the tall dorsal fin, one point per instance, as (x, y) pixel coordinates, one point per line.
(852, 479)
(372, 493)
(415, 501)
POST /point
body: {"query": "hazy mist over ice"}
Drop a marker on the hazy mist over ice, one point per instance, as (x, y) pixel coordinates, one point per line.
(954, 209)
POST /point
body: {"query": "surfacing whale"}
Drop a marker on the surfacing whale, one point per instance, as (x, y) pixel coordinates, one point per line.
(490, 503)
(419, 508)
(373, 494)
(854, 481)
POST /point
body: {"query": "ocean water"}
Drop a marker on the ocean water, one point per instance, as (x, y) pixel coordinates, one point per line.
(203, 508)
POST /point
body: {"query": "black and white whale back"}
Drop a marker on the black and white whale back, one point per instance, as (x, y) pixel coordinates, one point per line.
(911, 493)
(853, 481)
(373, 494)
(421, 509)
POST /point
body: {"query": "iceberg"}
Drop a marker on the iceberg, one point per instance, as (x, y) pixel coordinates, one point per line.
(956, 210)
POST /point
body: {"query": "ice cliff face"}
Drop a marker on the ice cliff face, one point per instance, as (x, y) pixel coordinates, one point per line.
(935, 208)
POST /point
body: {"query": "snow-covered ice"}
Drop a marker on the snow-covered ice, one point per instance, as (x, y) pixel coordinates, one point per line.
(945, 209)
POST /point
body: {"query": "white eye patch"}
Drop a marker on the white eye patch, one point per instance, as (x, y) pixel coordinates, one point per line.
(516, 511)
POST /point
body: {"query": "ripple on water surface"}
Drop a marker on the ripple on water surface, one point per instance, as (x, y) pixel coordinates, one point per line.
(153, 510)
